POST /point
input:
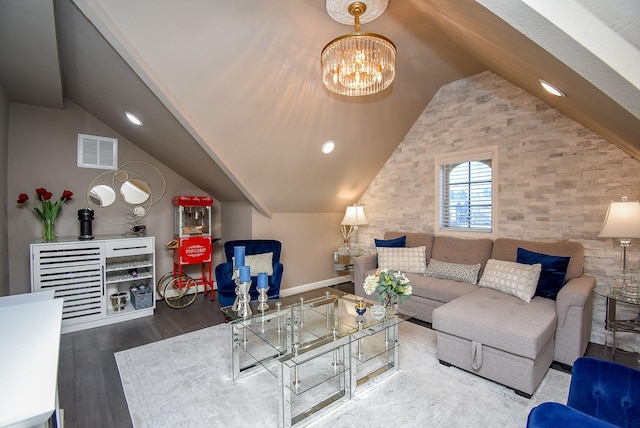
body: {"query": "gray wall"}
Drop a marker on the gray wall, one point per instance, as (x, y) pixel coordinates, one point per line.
(42, 148)
(236, 221)
(4, 144)
(555, 177)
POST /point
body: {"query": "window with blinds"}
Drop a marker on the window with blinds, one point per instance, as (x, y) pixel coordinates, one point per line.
(466, 193)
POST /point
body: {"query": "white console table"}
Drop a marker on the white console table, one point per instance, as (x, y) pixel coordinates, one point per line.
(29, 354)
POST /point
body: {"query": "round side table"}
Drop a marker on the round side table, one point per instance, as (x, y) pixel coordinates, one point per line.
(611, 322)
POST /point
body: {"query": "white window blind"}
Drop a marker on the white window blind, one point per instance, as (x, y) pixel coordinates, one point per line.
(466, 195)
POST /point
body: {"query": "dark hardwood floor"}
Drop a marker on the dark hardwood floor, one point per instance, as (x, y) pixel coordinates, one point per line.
(89, 385)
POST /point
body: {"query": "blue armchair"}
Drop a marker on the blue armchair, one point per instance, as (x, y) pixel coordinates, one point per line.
(224, 271)
(601, 394)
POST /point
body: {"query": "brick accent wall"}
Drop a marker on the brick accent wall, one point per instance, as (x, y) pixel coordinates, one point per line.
(555, 177)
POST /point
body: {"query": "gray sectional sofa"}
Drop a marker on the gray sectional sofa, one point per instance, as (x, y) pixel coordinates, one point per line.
(489, 332)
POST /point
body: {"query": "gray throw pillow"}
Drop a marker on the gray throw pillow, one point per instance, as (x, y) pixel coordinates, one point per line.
(455, 271)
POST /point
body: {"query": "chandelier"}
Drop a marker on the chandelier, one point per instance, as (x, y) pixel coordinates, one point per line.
(359, 63)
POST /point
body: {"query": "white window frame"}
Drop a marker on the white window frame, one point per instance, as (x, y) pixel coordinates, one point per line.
(461, 157)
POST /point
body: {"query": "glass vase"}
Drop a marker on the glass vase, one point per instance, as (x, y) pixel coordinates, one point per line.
(391, 307)
(49, 230)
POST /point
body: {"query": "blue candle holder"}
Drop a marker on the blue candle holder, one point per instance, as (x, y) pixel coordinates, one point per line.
(263, 279)
(238, 256)
(245, 273)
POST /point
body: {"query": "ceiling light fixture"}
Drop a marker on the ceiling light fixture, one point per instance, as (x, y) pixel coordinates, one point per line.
(133, 118)
(551, 89)
(358, 63)
(328, 147)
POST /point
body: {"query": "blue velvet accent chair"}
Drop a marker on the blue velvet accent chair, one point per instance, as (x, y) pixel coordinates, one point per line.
(224, 271)
(601, 394)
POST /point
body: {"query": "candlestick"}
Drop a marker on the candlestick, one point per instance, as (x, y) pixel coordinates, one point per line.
(262, 280)
(238, 255)
(236, 280)
(262, 298)
(244, 309)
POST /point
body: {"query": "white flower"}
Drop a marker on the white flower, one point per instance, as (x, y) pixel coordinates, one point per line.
(389, 284)
(370, 284)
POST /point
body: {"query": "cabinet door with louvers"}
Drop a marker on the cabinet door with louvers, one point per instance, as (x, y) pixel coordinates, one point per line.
(74, 270)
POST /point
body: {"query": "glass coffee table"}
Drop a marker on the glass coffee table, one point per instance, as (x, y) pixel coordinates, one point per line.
(318, 346)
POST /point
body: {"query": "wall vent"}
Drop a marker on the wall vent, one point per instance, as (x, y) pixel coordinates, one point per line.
(97, 152)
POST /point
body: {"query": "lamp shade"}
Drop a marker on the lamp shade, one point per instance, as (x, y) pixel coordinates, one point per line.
(622, 220)
(354, 216)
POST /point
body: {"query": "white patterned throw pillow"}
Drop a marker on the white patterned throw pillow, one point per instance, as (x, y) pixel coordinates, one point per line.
(403, 259)
(258, 263)
(513, 278)
(455, 271)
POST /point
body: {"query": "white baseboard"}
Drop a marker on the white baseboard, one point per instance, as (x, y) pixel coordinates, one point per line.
(315, 285)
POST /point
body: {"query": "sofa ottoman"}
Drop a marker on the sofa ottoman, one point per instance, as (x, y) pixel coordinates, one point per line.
(498, 336)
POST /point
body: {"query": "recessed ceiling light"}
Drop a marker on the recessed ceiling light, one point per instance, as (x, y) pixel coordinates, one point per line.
(133, 118)
(551, 89)
(328, 147)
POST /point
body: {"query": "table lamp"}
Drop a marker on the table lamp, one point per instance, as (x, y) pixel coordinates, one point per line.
(623, 222)
(353, 217)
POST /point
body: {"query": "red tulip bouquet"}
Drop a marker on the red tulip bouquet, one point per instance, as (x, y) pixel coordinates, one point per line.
(49, 210)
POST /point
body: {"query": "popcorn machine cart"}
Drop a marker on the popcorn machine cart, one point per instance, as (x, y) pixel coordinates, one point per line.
(192, 232)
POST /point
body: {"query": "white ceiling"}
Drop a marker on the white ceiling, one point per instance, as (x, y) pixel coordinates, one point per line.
(231, 92)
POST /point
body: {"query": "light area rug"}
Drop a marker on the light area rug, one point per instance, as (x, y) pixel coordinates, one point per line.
(185, 381)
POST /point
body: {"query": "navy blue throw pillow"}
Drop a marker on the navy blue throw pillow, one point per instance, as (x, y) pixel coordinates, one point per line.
(396, 242)
(554, 269)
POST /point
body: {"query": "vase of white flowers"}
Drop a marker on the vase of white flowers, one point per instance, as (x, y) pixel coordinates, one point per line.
(391, 287)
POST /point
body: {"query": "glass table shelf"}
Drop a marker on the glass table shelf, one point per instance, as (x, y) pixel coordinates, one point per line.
(613, 295)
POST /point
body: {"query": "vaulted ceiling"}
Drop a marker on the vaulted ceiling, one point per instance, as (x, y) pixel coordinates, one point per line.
(231, 93)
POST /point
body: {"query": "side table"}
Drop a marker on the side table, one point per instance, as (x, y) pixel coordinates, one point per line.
(343, 260)
(611, 322)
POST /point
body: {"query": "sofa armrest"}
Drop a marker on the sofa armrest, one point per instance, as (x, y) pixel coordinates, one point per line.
(574, 309)
(550, 414)
(225, 284)
(360, 266)
(276, 280)
(576, 292)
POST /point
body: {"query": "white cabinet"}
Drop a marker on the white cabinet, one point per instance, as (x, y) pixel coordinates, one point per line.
(87, 273)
